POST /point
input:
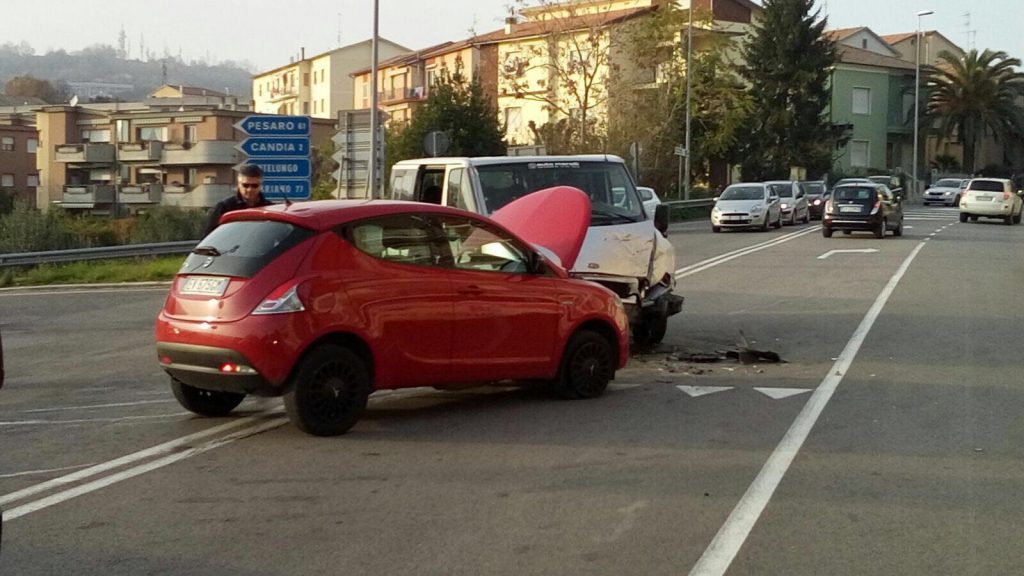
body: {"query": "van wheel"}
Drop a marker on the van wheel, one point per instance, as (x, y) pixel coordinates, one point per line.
(650, 330)
(588, 364)
(205, 402)
(1017, 218)
(963, 217)
(329, 391)
(1008, 220)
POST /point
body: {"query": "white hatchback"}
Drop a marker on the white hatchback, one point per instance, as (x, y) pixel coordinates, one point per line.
(650, 200)
(991, 198)
(749, 205)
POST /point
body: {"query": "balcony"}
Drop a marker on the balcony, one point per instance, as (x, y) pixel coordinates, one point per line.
(148, 151)
(141, 193)
(395, 95)
(88, 153)
(87, 195)
(196, 195)
(284, 93)
(201, 153)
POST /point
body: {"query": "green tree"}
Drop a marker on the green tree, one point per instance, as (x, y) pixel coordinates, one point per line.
(323, 167)
(457, 107)
(787, 65)
(29, 85)
(976, 96)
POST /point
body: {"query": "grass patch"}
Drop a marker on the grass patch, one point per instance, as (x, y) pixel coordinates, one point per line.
(98, 271)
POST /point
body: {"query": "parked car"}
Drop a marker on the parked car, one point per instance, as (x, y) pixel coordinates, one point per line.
(624, 250)
(325, 302)
(792, 199)
(991, 198)
(945, 191)
(748, 205)
(650, 200)
(816, 193)
(864, 206)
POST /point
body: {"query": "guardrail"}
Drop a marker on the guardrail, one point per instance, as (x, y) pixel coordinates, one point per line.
(698, 203)
(99, 253)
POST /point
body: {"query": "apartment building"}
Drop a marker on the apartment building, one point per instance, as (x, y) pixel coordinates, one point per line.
(107, 161)
(318, 86)
(403, 82)
(18, 144)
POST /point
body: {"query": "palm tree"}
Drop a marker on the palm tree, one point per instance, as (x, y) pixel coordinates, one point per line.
(976, 96)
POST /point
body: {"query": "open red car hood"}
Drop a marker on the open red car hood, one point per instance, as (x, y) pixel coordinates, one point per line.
(555, 218)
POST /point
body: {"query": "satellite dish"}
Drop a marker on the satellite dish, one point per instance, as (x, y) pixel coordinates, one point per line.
(74, 100)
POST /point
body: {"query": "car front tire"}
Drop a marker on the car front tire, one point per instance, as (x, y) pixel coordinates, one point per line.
(588, 364)
(205, 402)
(963, 217)
(329, 391)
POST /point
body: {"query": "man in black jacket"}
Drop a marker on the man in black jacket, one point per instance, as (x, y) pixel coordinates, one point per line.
(249, 195)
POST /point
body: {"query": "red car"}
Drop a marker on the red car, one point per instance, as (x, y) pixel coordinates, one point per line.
(325, 302)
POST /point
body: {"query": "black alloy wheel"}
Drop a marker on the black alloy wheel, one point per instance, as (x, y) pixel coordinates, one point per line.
(329, 391)
(588, 364)
(205, 402)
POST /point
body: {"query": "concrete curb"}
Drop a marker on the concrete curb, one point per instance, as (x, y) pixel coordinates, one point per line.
(70, 287)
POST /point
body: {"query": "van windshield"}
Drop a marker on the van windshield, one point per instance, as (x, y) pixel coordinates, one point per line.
(613, 198)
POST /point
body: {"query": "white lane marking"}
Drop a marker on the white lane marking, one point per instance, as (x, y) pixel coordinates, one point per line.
(731, 536)
(95, 406)
(157, 450)
(80, 291)
(723, 258)
(850, 251)
(123, 475)
(780, 393)
(10, 423)
(698, 391)
(46, 471)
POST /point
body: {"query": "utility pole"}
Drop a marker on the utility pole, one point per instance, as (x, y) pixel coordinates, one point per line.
(371, 183)
(689, 88)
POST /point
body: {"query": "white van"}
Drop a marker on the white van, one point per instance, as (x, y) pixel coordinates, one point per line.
(625, 250)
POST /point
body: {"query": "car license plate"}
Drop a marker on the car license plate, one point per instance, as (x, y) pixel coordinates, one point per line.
(983, 198)
(849, 208)
(205, 285)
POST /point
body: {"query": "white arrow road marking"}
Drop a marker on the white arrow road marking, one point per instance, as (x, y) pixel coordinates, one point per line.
(697, 391)
(852, 251)
(780, 393)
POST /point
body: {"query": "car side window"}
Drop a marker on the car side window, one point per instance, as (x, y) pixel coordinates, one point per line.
(460, 192)
(403, 239)
(476, 246)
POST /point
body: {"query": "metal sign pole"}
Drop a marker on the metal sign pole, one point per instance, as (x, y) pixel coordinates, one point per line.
(371, 182)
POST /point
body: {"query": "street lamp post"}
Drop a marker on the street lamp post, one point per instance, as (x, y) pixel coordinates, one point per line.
(689, 86)
(371, 184)
(917, 91)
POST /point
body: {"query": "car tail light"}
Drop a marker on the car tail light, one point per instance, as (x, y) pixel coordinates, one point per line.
(1006, 196)
(283, 300)
(829, 206)
(877, 207)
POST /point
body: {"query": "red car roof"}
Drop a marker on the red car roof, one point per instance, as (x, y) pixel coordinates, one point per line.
(326, 214)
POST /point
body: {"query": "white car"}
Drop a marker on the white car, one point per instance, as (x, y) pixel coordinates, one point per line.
(945, 191)
(650, 200)
(792, 199)
(748, 205)
(991, 198)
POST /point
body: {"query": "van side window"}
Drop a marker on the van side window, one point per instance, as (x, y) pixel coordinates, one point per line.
(460, 193)
(403, 184)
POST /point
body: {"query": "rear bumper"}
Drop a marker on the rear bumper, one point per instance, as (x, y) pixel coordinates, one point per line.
(995, 209)
(201, 367)
(851, 222)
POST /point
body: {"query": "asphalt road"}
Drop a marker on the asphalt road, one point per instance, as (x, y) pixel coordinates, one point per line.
(889, 442)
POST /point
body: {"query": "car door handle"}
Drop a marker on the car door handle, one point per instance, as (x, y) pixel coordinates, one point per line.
(472, 290)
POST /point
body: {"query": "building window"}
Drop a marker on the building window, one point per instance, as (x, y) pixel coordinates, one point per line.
(860, 153)
(190, 133)
(7, 144)
(864, 43)
(95, 135)
(259, 90)
(152, 133)
(305, 79)
(513, 122)
(862, 101)
(32, 144)
(305, 108)
(7, 181)
(32, 180)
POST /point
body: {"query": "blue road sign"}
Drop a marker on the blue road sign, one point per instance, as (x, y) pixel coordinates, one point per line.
(268, 125)
(282, 167)
(292, 189)
(275, 147)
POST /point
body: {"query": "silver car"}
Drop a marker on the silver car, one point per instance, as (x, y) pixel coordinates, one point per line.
(749, 205)
(650, 200)
(945, 191)
(793, 200)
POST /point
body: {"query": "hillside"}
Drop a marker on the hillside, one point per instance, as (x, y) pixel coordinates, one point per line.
(102, 64)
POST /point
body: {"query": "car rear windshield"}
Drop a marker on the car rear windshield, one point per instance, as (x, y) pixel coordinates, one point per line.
(613, 198)
(948, 183)
(784, 190)
(854, 194)
(986, 185)
(743, 193)
(241, 249)
(816, 188)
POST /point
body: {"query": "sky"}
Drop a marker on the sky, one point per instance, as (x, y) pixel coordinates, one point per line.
(266, 33)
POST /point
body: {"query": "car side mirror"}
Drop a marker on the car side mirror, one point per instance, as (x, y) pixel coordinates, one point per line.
(715, 199)
(661, 214)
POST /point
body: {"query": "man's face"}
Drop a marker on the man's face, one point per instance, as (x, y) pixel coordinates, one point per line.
(249, 188)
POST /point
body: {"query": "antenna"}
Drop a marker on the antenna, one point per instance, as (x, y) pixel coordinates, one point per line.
(968, 32)
(339, 30)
